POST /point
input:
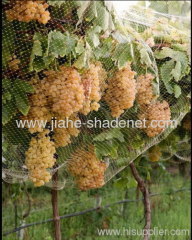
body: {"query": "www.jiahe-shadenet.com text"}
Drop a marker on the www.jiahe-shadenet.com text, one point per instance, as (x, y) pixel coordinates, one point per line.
(96, 123)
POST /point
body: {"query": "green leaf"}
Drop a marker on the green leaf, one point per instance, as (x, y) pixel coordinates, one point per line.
(178, 56)
(8, 42)
(106, 148)
(105, 50)
(121, 183)
(148, 176)
(166, 75)
(82, 10)
(8, 111)
(180, 47)
(84, 58)
(22, 102)
(122, 54)
(6, 83)
(145, 58)
(168, 52)
(36, 50)
(45, 61)
(60, 44)
(5, 146)
(93, 36)
(6, 56)
(70, 42)
(7, 96)
(79, 49)
(91, 11)
(120, 37)
(56, 44)
(110, 134)
(20, 89)
(23, 86)
(18, 136)
(104, 18)
(123, 152)
(132, 183)
(39, 64)
(176, 72)
(177, 90)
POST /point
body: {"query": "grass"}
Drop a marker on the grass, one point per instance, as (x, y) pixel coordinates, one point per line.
(168, 212)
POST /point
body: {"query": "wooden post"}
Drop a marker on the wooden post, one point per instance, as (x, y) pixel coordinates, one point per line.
(54, 200)
(146, 200)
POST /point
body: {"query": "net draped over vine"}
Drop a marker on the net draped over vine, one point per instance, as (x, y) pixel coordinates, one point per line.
(79, 60)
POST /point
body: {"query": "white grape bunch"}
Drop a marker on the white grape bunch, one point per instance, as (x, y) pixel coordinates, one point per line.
(87, 169)
(26, 11)
(64, 90)
(93, 80)
(145, 89)
(121, 91)
(39, 109)
(157, 116)
(40, 157)
(62, 135)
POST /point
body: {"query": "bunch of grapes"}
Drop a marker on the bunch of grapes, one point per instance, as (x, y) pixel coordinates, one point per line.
(156, 117)
(64, 91)
(63, 135)
(94, 85)
(39, 109)
(26, 11)
(39, 157)
(121, 91)
(144, 89)
(87, 169)
(154, 153)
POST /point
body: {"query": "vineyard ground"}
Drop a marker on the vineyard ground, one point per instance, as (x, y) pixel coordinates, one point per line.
(168, 212)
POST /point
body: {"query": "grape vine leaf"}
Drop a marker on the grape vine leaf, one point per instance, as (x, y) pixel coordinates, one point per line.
(23, 86)
(6, 83)
(104, 17)
(176, 72)
(22, 102)
(106, 148)
(93, 36)
(8, 38)
(15, 97)
(179, 57)
(166, 75)
(83, 60)
(145, 58)
(104, 50)
(122, 54)
(19, 135)
(20, 90)
(36, 50)
(60, 44)
(79, 49)
(82, 10)
(8, 111)
(177, 90)
(110, 134)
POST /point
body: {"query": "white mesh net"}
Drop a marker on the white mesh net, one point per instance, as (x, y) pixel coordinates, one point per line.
(80, 60)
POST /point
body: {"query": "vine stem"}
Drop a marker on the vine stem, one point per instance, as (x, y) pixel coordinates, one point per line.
(146, 200)
(56, 217)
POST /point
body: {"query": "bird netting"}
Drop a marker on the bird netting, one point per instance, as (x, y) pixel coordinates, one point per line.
(77, 77)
